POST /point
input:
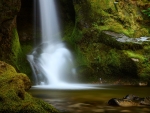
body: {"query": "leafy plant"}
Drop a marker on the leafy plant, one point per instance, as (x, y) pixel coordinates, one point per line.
(146, 12)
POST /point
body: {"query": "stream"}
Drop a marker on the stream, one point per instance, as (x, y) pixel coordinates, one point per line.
(92, 100)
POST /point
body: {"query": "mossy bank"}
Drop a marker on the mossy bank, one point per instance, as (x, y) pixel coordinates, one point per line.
(14, 97)
(99, 55)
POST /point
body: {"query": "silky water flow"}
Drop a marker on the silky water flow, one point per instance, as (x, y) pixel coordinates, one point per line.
(52, 63)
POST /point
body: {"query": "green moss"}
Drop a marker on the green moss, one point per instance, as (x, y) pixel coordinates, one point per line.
(103, 55)
(143, 67)
(18, 55)
(25, 67)
(101, 4)
(146, 12)
(104, 16)
(72, 34)
(113, 58)
(133, 54)
(13, 95)
(16, 48)
(141, 32)
(144, 73)
(81, 59)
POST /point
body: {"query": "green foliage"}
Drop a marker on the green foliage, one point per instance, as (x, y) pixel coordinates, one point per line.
(18, 56)
(24, 64)
(110, 62)
(135, 55)
(72, 35)
(16, 49)
(81, 59)
(113, 58)
(146, 12)
(144, 73)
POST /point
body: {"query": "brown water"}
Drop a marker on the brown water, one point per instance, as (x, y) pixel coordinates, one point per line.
(92, 100)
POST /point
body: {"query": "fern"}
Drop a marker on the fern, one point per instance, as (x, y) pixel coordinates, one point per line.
(146, 12)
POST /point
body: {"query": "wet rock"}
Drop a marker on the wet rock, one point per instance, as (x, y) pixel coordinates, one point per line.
(134, 59)
(123, 42)
(143, 83)
(129, 100)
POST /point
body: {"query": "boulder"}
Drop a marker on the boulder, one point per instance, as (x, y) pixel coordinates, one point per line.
(129, 100)
(13, 93)
(123, 42)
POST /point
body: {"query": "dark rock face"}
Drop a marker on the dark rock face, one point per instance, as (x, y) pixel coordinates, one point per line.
(28, 18)
(8, 10)
(25, 21)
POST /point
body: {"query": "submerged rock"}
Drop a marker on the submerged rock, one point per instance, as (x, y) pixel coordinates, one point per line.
(13, 95)
(129, 100)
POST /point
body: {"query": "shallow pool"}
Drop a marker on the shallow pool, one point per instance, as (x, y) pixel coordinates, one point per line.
(92, 100)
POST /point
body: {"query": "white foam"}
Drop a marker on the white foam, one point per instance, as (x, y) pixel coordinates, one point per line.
(69, 86)
(51, 62)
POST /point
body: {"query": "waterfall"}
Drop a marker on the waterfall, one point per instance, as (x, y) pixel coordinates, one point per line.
(51, 62)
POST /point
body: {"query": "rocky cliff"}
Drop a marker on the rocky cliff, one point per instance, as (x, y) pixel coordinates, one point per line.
(10, 49)
(9, 10)
(106, 48)
(108, 38)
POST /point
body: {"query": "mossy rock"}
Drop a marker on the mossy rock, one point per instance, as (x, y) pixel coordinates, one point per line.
(121, 41)
(122, 17)
(13, 93)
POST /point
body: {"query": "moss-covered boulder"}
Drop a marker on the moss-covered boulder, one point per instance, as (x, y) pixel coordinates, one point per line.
(13, 93)
(122, 16)
(107, 39)
(122, 42)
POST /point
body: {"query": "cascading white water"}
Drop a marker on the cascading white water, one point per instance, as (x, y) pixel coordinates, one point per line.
(51, 61)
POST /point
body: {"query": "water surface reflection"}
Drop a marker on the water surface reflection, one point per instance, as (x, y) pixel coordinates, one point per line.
(88, 100)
